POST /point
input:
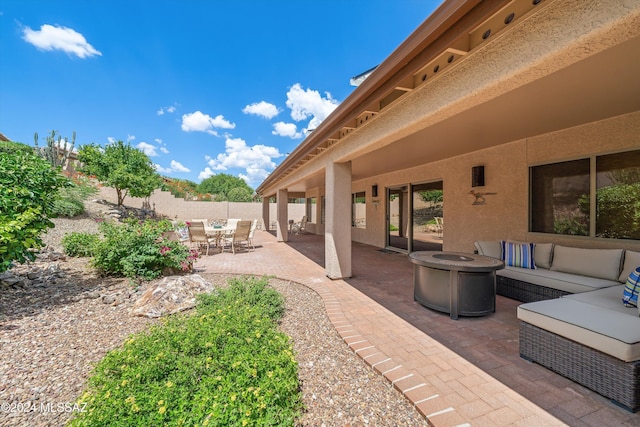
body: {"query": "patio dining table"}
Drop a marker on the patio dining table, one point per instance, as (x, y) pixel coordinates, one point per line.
(218, 233)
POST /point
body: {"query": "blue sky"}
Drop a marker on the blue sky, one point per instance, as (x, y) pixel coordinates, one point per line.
(203, 87)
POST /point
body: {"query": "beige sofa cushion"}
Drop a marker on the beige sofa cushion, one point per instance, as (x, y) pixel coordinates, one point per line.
(600, 263)
(542, 255)
(594, 324)
(631, 262)
(491, 248)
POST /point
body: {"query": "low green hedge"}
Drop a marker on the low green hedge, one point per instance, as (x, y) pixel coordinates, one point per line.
(227, 364)
(79, 244)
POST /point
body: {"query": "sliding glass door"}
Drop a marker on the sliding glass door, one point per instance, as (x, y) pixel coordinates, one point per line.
(415, 220)
(427, 219)
(397, 218)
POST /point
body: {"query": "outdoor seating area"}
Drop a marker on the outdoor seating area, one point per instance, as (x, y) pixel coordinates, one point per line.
(233, 233)
(575, 321)
(489, 343)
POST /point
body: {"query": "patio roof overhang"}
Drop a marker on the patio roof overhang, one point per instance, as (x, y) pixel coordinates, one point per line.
(601, 85)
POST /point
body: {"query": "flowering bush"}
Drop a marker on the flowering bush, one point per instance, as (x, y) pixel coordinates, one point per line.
(137, 249)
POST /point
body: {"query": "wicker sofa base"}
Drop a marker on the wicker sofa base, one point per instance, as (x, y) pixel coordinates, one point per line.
(525, 291)
(604, 374)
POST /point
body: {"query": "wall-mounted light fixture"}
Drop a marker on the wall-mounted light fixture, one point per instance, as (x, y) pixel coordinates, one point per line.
(477, 176)
(374, 190)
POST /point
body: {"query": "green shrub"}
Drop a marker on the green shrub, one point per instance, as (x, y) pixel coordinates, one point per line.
(251, 291)
(136, 249)
(69, 202)
(227, 364)
(9, 147)
(80, 244)
(28, 184)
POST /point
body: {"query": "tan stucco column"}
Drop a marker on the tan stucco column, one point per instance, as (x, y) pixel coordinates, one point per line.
(337, 235)
(282, 233)
(265, 212)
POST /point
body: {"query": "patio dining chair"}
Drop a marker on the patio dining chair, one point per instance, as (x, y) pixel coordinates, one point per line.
(198, 236)
(252, 231)
(300, 227)
(240, 235)
(232, 222)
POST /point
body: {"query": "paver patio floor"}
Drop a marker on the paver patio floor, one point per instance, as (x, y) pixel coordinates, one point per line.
(456, 373)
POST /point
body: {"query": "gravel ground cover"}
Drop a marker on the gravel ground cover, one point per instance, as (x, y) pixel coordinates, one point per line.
(52, 334)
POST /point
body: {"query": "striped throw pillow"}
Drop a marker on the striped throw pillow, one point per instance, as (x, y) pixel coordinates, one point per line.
(631, 288)
(518, 254)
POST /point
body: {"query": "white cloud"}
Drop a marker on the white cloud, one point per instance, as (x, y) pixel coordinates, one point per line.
(200, 122)
(163, 110)
(161, 145)
(160, 169)
(309, 103)
(148, 149)
(60, 38)
(286, 129)
(175, 166)
(206, 173)
(262, 109)
(113, 140)
(256, 160)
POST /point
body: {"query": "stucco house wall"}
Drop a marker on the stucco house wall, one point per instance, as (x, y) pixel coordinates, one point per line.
(505, 214)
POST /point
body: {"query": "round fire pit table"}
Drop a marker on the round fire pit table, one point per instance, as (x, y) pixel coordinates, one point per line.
(455, 283)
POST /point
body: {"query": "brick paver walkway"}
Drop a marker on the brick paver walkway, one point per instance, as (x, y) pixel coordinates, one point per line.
(444, 387)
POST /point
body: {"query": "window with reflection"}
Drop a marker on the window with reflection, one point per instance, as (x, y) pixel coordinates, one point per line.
(561, 197)
(618, 196)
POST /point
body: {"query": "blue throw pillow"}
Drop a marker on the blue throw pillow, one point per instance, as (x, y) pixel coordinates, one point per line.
(631, 288)
(518, 254)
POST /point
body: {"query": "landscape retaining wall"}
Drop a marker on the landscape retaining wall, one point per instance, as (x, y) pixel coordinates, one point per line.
(168, 205)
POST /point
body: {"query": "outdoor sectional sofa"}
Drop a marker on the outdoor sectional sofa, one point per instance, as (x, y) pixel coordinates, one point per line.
(574, 321)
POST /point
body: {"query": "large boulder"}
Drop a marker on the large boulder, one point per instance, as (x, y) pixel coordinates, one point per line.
(170, 295)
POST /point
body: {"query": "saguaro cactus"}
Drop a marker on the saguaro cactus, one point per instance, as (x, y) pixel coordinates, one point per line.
(54, 152)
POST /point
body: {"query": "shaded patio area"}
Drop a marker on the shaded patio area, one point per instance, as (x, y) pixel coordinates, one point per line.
(488, 342)
(464, 372)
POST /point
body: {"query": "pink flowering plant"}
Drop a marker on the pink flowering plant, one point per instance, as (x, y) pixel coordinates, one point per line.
(138, 250)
